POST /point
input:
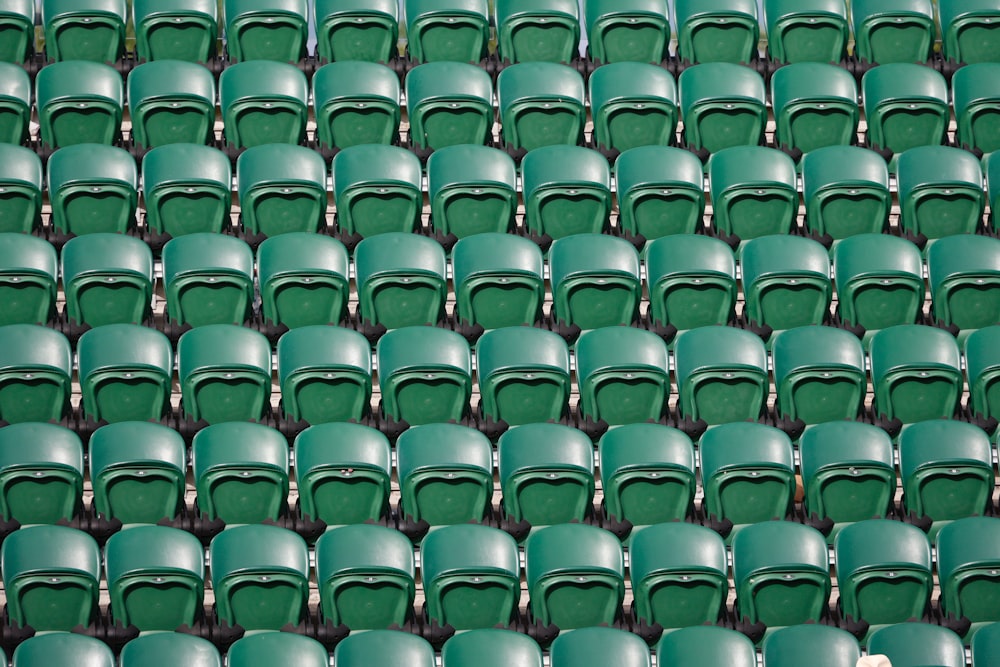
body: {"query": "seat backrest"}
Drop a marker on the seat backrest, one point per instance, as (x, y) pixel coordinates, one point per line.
(158, 38)
(548, 31)
(41, 468)
(915, 644)
(491, 648)
(163, 649)
(385, 647)
(359, 30)
(819, 645)
(63, 648)
(706, 645)
(591, 647)
(270, 648)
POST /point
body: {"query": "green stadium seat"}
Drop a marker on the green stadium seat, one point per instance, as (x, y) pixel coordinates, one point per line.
(17, 31)
(914, 644)
(165, 649)
(546, 475)
(819, 645)
(498, 280)
(186, 189)
(472, 190)
(269, 648)
(906, 105)
(985, 644)
(815, 105)
(208, 279)
(20, 189)
(691, 281)
(815, 31)
(491, 648)
(471, 578)
(50, 577)
(267, 29)
(241, 472)
(41, 473)
(897, 31)
(964, 276)
(356, 30)
(63, 648)
(28, 270)
(282, 189)
(722, 105)
(660, 192)
(622, 375)
(593, 647)
(260, 576)
(35, 374)
(529, 30)
(968, 555)
(633, 104)
(974, 96)
(916, 373)
(982, 366)
(377, 190)
(846, 191)
(171, 102)
(356, 102)
(400, 280)
(224, 373)
(595, 281)
(633, 31)
(107, 279)
(92, 188)
(263, 102)
(365, 575)
(303, 280)
(452, 30)
(540, 104)
(753, 191)
(15, 101)
(156, 577)
(717, 30)
(566, 191)
(79, 103)
(940, 191)
(708, 646)
(384, 647)
(448, 104)
(325, 374)
(969, 30)
(342, 473)
(992, 170)
(786, 282)
(93, 30)
(138, 472)
(175, 29)
(879, 281)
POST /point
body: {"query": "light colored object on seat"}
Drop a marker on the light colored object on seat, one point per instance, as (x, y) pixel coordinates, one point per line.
(874, 661)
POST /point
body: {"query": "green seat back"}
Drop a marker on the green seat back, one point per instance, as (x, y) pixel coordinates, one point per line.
(914, 644)
(263, 102)
(171, 102)
(814, 31)
(472, 190)
(63, 648)
(846, 191)
(969, 30)
(491, 647)
(660, 191)
(400, 280)
(282, 189)
(540, 104)
(78, 103)
(266, 29)
(175, 29)
(498, 280)
(879, 280)
(820, 645)
(906, 105)
(92, 30)
(964, 274)
(356, 102)
(717, 30)
(940, 191)
(384, 647)
(633, 104)
(377, 190)
(28, 270)
(186, 189)
(622, 375)
(786, 281)
(164, 649)
(753, 190)
(691, 281)
(634, 31)
(15, 102)
(452, 30)
(708, 645)
(982, 366)
(92, 188)
(721, 374)
(107, 279)
(448, 104)
(819, 374)
(303, 280)
(17, 31)
(21, 185)
(592, 647)
(208, 279)
(567, 190)
(975, 101)
(967, 557)
(984, 645)
(41, 473)
(530, 30)
(595, 281)
(897, 31)
(269, 648)
(35, 374)
(357, 29)
(815, 105)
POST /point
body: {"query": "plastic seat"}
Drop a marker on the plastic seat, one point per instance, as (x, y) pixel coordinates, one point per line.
(916, 373)
(186, 189)
(708, 646)
(634, 31)
(156, 577)
(546, 475)
(400, 280)
(753, 192)
(20, 189)
(906, 105)
(342, 473)
(540, 104)
(325, 374)
(622, 375)
(899, 31)
(472, 190)
(815, 105)
(660, 192)
(93, 30)
(748, 473)
(269, 648)
(79, 103)
(138, 472)
(35, 374)
(722, 105)
(592, 647)
(982, 366)
(50, 576)
(356, 103)
(425, 375)
(992, 170)
(175, 30)
(575, 576)
(365, 576)
(946, 470)
(964, 276)
(967, 557)
(528, 30)
(266, 29)
(847, 471)
(984, 645)
(164, 649)
(452, 30)
(940, 191)
(633, 104)
(914, 644)
(171, 102)
(691, 281)
(384, 647)
(224, 373)
(974, 96)
(815, 31)
(879, 281)
(523, 375)
(445, 474)
(125, 372)
(377, 190)
(819, 374)
(470, 576)
(28, 270)
(679, 575)
(846, 191)
(566, 190)
(356, 30)
(282, 189)
(781, 573)
(447, 104)
(595, 281)
(15, 101)
(717, 31)
(303, 280)
(17, 31)
(208, 279)
(820, 645)
(63, 648)
(786, 282)
(721, 374)
(260, 575)
(647, 474)
(968, 30)
(41, 473)
(498, 280)
(263, 102)
(883, 571)
(241, 472)
(108, 279)
(491, 648)
(92, 188)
